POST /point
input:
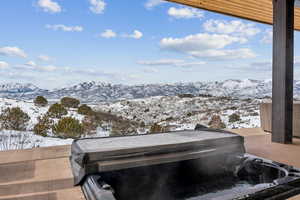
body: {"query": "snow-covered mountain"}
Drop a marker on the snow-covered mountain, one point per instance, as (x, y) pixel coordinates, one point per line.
(17, 88)
(99, 91)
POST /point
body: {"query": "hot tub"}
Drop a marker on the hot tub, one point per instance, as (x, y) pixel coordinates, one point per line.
(187, 165)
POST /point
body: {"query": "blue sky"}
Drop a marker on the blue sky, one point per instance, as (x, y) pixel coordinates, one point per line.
(53, 43)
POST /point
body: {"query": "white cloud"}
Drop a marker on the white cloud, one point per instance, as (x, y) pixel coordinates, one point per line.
(209, 46)
(48, 68)
(225, 54)
(171, 62)
(153, 3)
(135, 35)
(30, 64)
(150, 70)
(44, 58)
(201, 41)
(235, 27)
(161, 62)
(97, 6)
(65, 28)
(268, 36)
(49, 6)
(12, 51)
(191, 64)
(185, 13)
(108, 34)
(3, 65)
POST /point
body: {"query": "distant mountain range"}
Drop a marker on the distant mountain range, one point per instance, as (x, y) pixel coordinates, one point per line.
(99, 91)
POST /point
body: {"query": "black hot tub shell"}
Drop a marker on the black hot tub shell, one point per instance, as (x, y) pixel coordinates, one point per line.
(184, 165)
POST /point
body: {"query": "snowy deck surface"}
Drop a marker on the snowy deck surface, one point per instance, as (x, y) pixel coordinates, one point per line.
(45, 174)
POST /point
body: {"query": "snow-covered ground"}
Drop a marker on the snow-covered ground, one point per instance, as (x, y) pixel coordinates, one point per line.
(174, 112)
(185, 113)
(33, 111)
(27, 139)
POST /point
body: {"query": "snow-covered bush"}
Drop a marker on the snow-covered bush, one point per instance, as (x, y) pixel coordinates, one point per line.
(89, 124)
(68, 127)
(185, 95)
(40, 101)
(142, 125)
(70, 102)
(156, 128)
(216, 122)
(84, 110)
(57, 111)
(254, 114)
(14, 119)
(106, 117)
(43, 126)
(122, 128)
(234, 118)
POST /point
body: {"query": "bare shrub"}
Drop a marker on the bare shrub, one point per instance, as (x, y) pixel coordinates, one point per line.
(216, 122)
(254, 114)
(84, 110)
(68, 127)
(57, 111)
(123, 128)
(43, 126)
(186, 96)
(40, 101)
(14, 119)
(234, 118)
(70, 102)
(89, 124)
(156, 128)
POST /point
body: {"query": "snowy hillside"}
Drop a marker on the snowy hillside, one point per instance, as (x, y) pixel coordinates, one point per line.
(185, 113)
(27, 139)
(99, 91)
(170, 112)
(33, 111)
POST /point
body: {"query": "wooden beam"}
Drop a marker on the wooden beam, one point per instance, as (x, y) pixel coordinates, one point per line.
(283, 61)
(255, 10)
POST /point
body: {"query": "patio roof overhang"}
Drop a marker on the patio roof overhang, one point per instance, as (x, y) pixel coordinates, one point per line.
(254, 10)
(285, 17)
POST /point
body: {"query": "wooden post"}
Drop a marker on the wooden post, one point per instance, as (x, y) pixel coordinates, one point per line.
(283, 77)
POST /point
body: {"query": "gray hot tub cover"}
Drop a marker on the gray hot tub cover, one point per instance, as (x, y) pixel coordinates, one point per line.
(96, 155)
